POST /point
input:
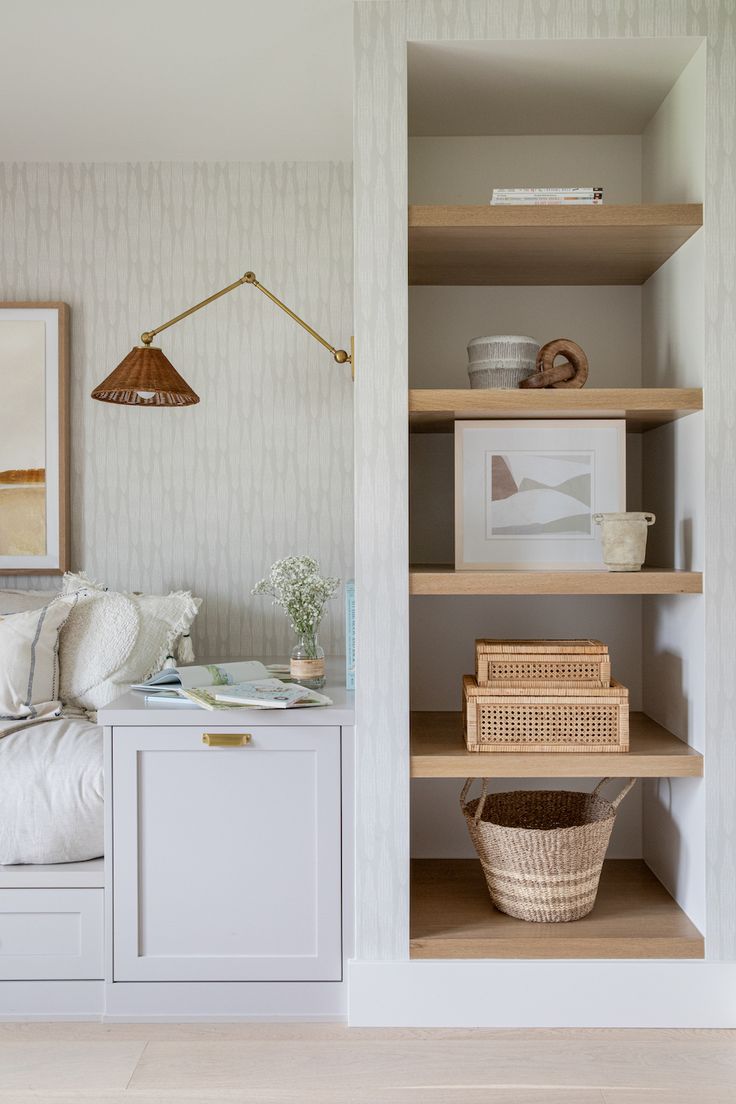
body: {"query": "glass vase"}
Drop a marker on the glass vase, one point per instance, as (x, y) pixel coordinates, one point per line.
(307, 664)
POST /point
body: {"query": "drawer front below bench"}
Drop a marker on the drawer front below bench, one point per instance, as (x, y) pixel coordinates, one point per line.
(51, 934)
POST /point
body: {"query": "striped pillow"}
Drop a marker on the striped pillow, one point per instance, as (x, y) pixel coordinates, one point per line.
(29, 661)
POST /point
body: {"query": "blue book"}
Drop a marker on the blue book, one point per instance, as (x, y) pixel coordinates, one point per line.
(350, 634)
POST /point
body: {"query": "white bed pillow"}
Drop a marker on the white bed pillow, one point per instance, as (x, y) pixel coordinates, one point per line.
(112, 640)
(51, 792)
(29, 660)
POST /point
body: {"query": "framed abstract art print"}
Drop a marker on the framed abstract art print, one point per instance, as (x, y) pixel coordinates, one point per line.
(34, 446)
(526, 492)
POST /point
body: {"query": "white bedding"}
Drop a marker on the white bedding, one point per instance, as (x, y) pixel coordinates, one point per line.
(51, 791)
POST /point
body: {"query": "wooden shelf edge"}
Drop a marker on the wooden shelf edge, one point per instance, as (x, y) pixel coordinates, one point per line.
(527, 245)
(582, 948)
(634, 917)
(435, 410)
(442, 579)
(456, 216)
(438, 751)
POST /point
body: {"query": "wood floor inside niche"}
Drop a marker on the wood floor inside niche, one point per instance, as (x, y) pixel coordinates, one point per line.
(77, 1063)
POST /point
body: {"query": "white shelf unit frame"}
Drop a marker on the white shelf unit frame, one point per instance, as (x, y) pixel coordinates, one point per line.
(382, 847)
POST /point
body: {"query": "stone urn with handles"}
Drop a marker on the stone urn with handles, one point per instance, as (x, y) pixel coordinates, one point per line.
(624, 539)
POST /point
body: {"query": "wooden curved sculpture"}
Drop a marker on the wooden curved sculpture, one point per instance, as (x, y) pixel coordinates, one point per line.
(572, 373)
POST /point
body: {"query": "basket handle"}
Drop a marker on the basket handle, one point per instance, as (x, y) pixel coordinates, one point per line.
(617, 800)
(481, 801)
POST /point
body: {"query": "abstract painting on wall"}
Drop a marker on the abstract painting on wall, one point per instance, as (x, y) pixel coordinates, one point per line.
(33, 438)
(526, 492)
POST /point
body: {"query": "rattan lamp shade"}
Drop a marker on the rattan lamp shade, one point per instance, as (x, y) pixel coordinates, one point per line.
(146, 378)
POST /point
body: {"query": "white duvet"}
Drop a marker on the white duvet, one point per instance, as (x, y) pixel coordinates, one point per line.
(51, 791)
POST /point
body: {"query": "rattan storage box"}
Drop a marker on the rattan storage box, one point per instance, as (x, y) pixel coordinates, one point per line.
(540, 663)
(552, 718)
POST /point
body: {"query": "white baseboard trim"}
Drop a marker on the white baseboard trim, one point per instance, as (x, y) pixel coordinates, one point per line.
(475, 993)
(172, 1002)
(223, 1019)
(51, 1000)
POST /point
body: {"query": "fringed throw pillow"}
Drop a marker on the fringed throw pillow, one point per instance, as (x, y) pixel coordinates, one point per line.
(112, 640)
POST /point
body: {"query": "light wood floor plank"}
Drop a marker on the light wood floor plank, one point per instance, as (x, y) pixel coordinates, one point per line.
(425, 1064)
(15, 1032)
(260, 1063)
(322, 1096)
(666, 1096)
(58, 1066)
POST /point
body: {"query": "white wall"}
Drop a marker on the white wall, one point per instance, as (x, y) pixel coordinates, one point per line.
(439, 831)
(206, 497)
(466, 170)
(176, 80)
(673, 143)
(673, 344)
(606, 321)
(443, 632)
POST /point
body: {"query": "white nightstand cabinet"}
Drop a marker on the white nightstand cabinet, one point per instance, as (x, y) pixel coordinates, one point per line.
(227, 834)
(226, 859)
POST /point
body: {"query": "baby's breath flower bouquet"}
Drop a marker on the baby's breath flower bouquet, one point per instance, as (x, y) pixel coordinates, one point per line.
(296, 585)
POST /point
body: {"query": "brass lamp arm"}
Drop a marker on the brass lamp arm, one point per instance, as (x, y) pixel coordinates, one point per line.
(340, 355)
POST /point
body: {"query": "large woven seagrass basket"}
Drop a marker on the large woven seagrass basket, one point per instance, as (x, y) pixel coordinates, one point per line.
(542, 850)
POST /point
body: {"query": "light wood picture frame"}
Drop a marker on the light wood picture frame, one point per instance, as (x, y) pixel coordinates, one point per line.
(526, 492)
(34, 438)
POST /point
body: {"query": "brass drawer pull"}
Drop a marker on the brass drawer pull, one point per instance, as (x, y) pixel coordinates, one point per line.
(226, 739)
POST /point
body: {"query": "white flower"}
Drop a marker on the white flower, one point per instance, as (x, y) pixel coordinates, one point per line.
(296, 585)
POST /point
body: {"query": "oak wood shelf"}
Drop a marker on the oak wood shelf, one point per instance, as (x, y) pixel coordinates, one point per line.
(607, 244)
(438, 751)
(634, 917)
(437, 410)
(439, 579)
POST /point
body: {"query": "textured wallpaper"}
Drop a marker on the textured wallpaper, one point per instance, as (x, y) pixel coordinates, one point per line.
(206, 497)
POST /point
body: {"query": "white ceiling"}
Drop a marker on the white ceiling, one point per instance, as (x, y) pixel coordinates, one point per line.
(590, 86)
(160, 80)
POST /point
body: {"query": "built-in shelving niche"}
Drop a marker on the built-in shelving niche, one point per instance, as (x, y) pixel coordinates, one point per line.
(625, 281)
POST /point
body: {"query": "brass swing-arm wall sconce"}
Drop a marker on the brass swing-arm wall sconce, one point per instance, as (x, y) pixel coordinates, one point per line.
(146, 377)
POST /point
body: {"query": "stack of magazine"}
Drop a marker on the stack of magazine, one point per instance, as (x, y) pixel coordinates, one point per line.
(248, 684)
(545, 196)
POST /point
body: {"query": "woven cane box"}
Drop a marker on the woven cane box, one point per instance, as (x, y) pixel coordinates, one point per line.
(539, 663)
(552, 718)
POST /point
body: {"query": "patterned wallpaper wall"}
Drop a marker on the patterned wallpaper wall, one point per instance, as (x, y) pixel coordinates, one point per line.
(206, 497)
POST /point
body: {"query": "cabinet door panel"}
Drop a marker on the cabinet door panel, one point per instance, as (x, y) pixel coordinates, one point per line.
(51, 934)
(227, 860)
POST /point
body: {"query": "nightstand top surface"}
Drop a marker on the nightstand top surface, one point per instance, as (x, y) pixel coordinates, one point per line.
(133, 709)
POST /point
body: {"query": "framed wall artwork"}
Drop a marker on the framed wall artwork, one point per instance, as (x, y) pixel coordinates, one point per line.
(34, 438)
(526, 492)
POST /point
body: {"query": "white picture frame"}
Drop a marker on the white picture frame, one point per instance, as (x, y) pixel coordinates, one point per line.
(526, 492)
(34, 438)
